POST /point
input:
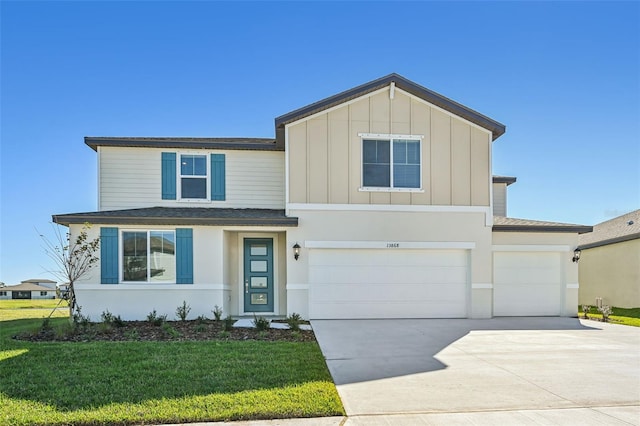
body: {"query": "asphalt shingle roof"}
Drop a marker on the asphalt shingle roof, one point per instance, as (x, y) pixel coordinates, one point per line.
(182, 216)
(618, 229)
(26, 287)
(511, 224)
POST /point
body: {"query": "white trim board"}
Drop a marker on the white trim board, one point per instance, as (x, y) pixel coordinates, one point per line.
(389, 245)
(531, 247)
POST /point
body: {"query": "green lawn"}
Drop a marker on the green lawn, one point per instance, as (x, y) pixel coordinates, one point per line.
(103, 383)
(32, 308)
(624, 316)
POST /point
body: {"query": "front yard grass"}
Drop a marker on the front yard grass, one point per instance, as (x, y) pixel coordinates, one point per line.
(32, 308)
(133, 382)
(624, 316)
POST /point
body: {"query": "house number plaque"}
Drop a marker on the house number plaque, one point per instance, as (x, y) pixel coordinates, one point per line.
(393, 245)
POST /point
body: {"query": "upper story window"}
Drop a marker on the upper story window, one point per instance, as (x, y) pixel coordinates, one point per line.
(391, 162)
(193, 176)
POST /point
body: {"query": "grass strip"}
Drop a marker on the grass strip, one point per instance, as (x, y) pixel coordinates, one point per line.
(159, 382)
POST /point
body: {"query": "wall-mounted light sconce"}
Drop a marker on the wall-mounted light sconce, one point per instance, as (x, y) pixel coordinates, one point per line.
(576, 255)
(296, 251)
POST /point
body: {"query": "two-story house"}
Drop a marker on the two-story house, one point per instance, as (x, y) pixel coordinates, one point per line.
(378, 202)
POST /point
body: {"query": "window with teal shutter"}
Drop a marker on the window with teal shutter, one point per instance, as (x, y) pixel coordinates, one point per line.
(218, 192)
(109, 255)
(184, 256)
(168, 175)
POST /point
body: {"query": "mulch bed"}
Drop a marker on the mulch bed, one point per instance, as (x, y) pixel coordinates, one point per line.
(168, 331)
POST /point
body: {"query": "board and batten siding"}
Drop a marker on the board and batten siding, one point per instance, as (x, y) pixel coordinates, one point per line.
(131, 178)
(325, 153)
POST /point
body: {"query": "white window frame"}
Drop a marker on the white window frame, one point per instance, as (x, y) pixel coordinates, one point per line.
(121, 256)
(390, 138)
(207, 177)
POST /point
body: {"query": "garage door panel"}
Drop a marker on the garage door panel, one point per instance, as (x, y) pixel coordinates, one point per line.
(387, 274)
(364, 309)
(367, 283)
(527, 284)
(356, 293)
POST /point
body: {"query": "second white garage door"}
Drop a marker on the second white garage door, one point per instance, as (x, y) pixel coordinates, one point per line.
(527, 283)
(370, 283)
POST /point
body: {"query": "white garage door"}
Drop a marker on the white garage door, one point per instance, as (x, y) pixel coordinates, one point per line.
(527, 283)
(369, 283)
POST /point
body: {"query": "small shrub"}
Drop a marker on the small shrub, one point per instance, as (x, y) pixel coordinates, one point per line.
(107, 317)
(605, 310)
(156, 319)
(201, 319)
(217, 313)
(118, 322)
(182, 312)
(170, 331)
(80, 320)
(200, 328)
(585, 311)
(228, 323)
(294, 321)
(261, 323)
(132, 334)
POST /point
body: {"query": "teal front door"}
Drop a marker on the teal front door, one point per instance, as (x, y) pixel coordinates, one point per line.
(258, 275)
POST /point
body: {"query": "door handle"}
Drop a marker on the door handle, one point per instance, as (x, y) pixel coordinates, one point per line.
(246, 287)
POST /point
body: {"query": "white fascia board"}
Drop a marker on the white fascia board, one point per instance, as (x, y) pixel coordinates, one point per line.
(488, 217)
(485, 286)
(531, 247)
(390, 245)
(286, 170)
(130, 286)
(388, 208)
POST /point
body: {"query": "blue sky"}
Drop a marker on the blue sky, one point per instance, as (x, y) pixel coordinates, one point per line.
(564, 77)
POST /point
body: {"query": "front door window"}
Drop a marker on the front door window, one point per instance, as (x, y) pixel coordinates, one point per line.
(258, 275)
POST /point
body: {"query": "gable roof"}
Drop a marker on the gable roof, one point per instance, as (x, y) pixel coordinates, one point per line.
(511, 224)
(181, 216)
(616, 230)
(38, 280)
(253, 144)
(496, 128)
(26, 287)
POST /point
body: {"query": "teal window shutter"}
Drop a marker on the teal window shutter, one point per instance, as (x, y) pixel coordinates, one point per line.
(109, 255)
(168, 175)
(218, 184)
(184, 256)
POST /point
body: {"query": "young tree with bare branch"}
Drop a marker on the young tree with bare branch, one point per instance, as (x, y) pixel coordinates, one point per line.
(73, 259)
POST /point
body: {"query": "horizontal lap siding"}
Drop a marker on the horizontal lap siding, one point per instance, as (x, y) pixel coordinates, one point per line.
(131, 178)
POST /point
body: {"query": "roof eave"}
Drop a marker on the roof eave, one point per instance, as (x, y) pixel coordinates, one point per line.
(580, 229)
(606, 242)
(95, 142)
(67, 220)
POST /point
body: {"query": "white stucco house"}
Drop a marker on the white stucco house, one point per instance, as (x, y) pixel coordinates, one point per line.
(377, 202)
(27, 290)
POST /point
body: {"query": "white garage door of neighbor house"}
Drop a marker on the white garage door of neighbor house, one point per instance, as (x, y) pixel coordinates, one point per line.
(527, 283)
(370, 283)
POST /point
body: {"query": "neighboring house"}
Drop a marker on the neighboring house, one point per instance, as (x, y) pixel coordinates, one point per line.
(41, 282)
(609, 266)
(373, 203)
(27, 291)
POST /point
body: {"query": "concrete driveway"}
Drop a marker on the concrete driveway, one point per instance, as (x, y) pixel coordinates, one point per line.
(579, 368)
